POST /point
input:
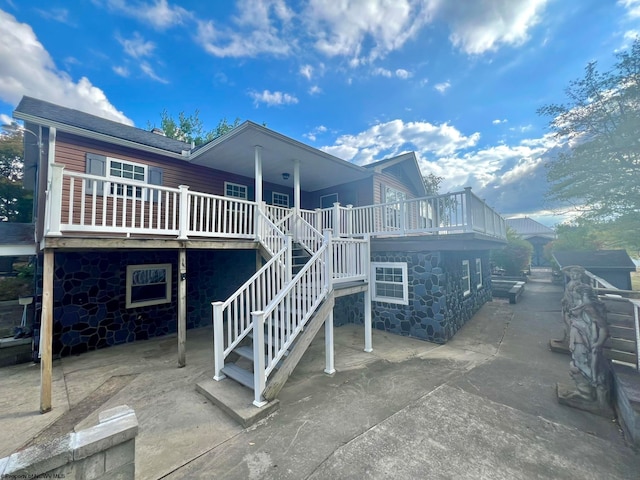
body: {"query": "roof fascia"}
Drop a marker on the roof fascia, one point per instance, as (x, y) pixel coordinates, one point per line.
(249, 125)
(98, 136)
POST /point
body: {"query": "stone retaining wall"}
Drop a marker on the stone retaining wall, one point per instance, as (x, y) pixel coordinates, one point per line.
(102, 452)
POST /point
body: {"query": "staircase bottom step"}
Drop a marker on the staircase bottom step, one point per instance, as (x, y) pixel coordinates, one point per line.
(235, 400)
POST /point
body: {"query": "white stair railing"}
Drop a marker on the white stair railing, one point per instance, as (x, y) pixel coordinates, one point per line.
(232, 318)
(276, 327)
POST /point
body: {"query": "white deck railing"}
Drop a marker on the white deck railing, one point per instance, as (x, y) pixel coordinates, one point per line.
(78, 202)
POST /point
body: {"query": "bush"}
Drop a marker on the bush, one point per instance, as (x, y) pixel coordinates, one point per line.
(514, 257)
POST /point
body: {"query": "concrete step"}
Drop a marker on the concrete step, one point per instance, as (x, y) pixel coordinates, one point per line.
(235, 400)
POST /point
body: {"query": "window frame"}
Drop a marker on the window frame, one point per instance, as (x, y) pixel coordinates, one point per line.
(131, 269)
(392, 212)
(273, 199)
(375, 296)
(479, 273)
(329, 195)
(115, 181)
(466, 285)
(231, 184)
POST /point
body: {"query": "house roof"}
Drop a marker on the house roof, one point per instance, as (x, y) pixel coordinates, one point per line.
(233, 152)
(44, 113)
(527, 227)
(595, 259)
(405, 163)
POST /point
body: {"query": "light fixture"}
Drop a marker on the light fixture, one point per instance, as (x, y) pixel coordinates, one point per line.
(285, 176)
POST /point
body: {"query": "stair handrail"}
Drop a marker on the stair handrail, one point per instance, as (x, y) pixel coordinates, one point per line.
(287, 314)
(254, 294)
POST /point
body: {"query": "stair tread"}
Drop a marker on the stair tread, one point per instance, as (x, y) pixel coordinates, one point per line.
(239, 374)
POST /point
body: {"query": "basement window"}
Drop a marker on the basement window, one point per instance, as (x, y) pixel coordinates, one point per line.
(148, 284)
(390, 282)
(465, 281)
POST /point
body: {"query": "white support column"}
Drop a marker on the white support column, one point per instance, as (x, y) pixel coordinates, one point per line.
(328, 345)
(328, 259)
(296, 186)
(218, 340)
(258, 189)
(46, 332)
(468, 202)
(259, 380)
(336, 219)
(368, 340)
(182, 307)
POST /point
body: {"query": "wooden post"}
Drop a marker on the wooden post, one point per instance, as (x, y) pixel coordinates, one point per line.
(46, 332)
(182, 307)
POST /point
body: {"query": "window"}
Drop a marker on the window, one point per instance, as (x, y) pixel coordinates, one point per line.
(280, 199)
(327, 201)
(128, 171)
(465, 281)
(148, 284)
(235, 190)
(478, 273)
(390, 282)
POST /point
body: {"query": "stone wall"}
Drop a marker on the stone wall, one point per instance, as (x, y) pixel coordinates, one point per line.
(89, 295)
(104, 451)
(437, 307)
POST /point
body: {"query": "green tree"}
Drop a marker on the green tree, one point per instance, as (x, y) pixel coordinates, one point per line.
(432, 183)
(598, 172)
(190, 129)
(16, 202)
(515, 256)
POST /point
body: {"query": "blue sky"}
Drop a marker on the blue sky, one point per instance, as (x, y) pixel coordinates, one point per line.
(457, 82)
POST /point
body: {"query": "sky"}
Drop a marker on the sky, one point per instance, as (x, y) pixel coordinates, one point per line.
(458, 82)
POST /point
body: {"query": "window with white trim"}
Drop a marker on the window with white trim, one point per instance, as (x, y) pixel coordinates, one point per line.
(235, 190)
(390, 282)
(392, 212)
(280, 199)
(132, 172)
(148, 284)
(465, 281)
(478, 273)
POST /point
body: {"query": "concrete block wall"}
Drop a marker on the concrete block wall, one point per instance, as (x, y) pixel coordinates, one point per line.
(104, 451)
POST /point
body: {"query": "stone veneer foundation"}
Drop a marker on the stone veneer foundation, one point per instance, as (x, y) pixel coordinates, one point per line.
(437, 306)
(89, 295)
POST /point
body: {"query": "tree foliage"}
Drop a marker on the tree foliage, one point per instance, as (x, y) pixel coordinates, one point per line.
(515, 256)
(190, 128)
(15, 201)
(598, 173)
(432, 183)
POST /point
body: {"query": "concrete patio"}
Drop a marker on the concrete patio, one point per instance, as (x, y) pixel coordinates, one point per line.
(481, 406)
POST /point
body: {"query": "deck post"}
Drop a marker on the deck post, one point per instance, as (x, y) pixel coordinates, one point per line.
(258, 173)
(46, 332)
(328, 260)
(259, 380)
(296, 187)
(368, 339)
(318, 224)
(218, 340)
(55, 200)
(184, 212)
(336, 219)
(402, 213)
(182, 307)
(328, 345)
(349, 221)
(469, 209)
(289, 258)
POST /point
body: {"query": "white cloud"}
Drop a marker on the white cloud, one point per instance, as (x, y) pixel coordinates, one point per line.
(306, 71)
(60, 15)
(632, 7)
(343, 28)
(28, 69)
(5, 119)
(149, 72)
(158, 14)
(442, 87)
(259, 28)
(396, 136)
(497, 121)
(484, 25)
(272, 98)
(312, 135)
(382, 72)
(136, 46)
(121, 71)
(402, 73)
(315, 90)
